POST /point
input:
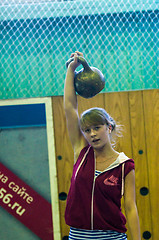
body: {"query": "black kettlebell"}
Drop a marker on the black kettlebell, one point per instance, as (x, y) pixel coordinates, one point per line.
(89, 81)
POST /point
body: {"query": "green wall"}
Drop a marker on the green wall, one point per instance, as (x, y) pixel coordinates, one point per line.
(33, 52)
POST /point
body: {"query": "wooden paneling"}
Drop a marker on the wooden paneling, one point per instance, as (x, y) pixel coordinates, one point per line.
(140, 157)
(151, 119)
(138, 112)
(84, 104)
(117, 105)
(64, 156)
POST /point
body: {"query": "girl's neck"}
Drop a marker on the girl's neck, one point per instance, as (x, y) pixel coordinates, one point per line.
(104, 158)
(105, 152)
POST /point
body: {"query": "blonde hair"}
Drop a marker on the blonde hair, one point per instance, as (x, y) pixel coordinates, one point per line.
(98, 116)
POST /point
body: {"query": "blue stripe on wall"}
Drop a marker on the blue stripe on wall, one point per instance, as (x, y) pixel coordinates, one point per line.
(26, 115)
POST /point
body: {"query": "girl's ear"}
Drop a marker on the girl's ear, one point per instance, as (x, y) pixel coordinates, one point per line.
(110, 129)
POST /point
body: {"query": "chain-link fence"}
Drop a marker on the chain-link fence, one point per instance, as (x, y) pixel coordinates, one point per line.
(120, 37)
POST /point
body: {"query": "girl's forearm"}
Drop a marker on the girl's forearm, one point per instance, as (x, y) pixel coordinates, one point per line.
(70, 98)
(133, 223)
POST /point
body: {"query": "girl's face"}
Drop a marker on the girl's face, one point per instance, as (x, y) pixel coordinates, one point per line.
(97, 136)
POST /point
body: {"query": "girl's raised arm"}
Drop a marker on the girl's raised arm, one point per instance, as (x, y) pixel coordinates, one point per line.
(71, 106)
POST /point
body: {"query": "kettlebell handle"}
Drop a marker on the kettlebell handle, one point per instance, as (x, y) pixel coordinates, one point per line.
(81, 60)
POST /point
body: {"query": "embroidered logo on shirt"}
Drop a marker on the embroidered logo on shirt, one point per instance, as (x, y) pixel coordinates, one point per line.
(111, 181)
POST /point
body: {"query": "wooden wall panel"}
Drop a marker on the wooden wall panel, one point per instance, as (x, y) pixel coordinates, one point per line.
(151, 119)
(138, 112)
(64, 156)
(84, 104)
(117, 105)
(140, 157)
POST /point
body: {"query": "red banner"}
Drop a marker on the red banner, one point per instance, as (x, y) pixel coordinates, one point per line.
(25, 204)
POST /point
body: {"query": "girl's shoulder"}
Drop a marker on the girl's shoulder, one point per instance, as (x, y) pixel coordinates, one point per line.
(80, 148)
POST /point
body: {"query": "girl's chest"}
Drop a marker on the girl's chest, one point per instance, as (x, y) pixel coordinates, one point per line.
(109, 183)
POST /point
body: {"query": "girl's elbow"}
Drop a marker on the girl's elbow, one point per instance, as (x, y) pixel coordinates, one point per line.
(130, 205)
(131, 210)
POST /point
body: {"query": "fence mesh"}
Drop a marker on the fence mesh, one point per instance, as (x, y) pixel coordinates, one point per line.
(120, 37)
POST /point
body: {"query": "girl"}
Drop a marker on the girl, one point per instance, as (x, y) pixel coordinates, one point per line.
(101, 175)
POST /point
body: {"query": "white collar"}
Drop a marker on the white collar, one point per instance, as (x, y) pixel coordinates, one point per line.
(120, 159)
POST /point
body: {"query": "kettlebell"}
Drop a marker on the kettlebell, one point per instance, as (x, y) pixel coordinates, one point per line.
(89, 81)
